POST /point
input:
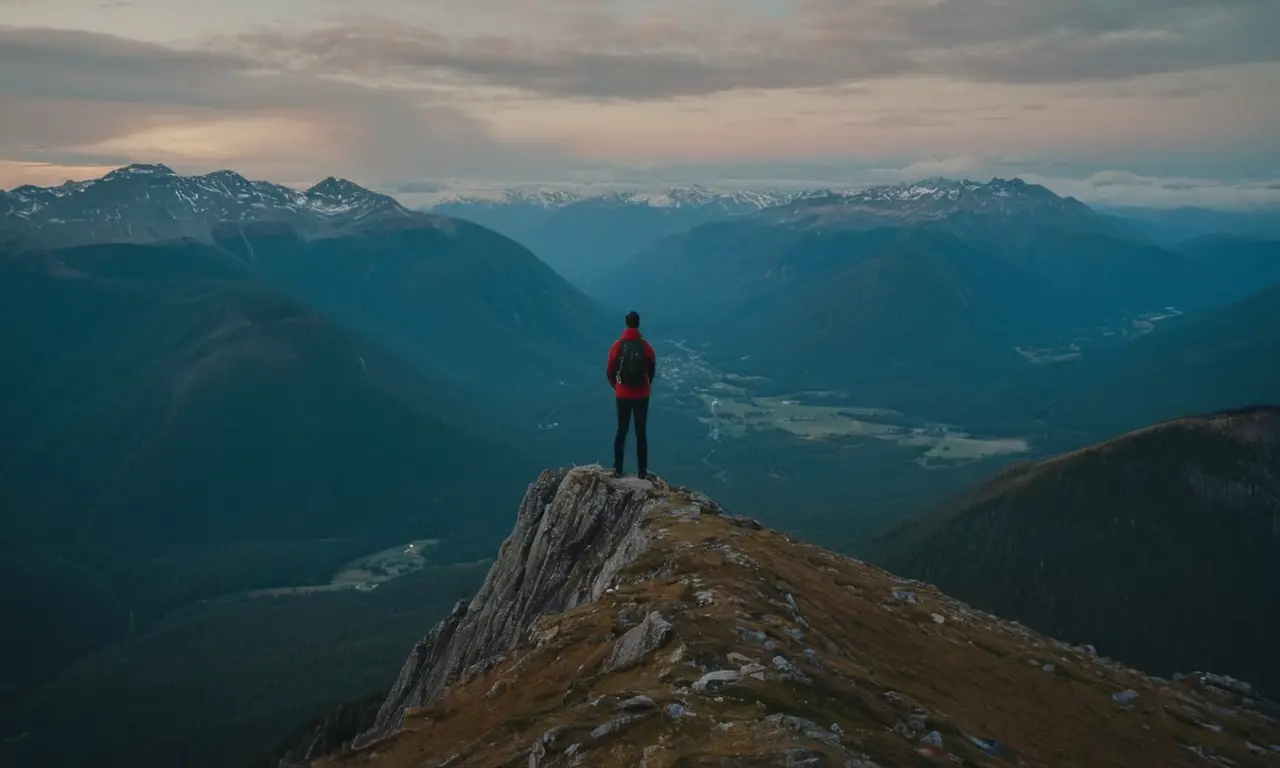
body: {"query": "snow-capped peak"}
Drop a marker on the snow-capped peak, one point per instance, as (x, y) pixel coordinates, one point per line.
(141, 169)
(938, 188)
(146, 201)
(689, 196)
(933, 199)
(332, 186)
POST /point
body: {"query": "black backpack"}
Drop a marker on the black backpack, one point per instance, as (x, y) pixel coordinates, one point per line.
(632, 370)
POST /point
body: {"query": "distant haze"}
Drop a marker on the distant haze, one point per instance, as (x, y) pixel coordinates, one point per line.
(1154, 103)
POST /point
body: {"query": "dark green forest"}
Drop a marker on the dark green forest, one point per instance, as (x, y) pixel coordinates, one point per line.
(1161, 548)
(232, 681)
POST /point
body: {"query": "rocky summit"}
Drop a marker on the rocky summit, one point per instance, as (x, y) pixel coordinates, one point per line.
(630, 622)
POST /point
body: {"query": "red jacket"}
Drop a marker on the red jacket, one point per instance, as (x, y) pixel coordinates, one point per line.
(620, 389)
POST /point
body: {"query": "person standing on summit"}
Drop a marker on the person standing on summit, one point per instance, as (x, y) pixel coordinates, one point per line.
(632, 366)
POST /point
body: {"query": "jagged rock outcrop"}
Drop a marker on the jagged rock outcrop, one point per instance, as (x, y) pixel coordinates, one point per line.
(575, 531)
(628, 623)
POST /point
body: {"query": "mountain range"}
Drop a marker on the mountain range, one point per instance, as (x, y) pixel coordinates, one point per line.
(462, 302)
(147, 203)
(585, 235)
(889, 290)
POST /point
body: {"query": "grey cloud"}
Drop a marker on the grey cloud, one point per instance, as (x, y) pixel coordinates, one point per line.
(83, 66)
(590, 68)
(826, 43)
(1184, 90)
(899, 120)
(62, 89)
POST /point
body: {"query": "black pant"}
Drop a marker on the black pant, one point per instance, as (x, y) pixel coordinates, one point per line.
(627, 407)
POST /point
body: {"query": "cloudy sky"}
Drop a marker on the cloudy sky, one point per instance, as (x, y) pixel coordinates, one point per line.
(1153, 102)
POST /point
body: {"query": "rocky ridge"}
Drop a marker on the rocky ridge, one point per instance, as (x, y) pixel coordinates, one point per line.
(691, 196)
(149, 203)
(630, 622)
(939, 199)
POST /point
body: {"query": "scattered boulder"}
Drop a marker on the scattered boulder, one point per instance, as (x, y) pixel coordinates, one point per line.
(613, 726)
(1124, 697)
(990, 746)
(702, 500)
(685, 514)
(647, 636)
(549, 738)
(717, 679)
(1209, 679)
(806, 728)
(797, 757)
(639, 703)
(789, 670)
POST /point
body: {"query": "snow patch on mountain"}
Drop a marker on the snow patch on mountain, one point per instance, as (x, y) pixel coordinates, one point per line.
(151, 202)
(933, 199)
(930, 191)
(692, 196)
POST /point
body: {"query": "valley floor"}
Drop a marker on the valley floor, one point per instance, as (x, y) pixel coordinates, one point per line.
(732, 408)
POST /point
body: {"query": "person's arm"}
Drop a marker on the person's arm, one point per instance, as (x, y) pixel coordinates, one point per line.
(611, 370)
(652, 360)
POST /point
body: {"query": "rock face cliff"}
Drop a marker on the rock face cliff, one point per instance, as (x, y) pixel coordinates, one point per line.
(629, 622)
(575, 531)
